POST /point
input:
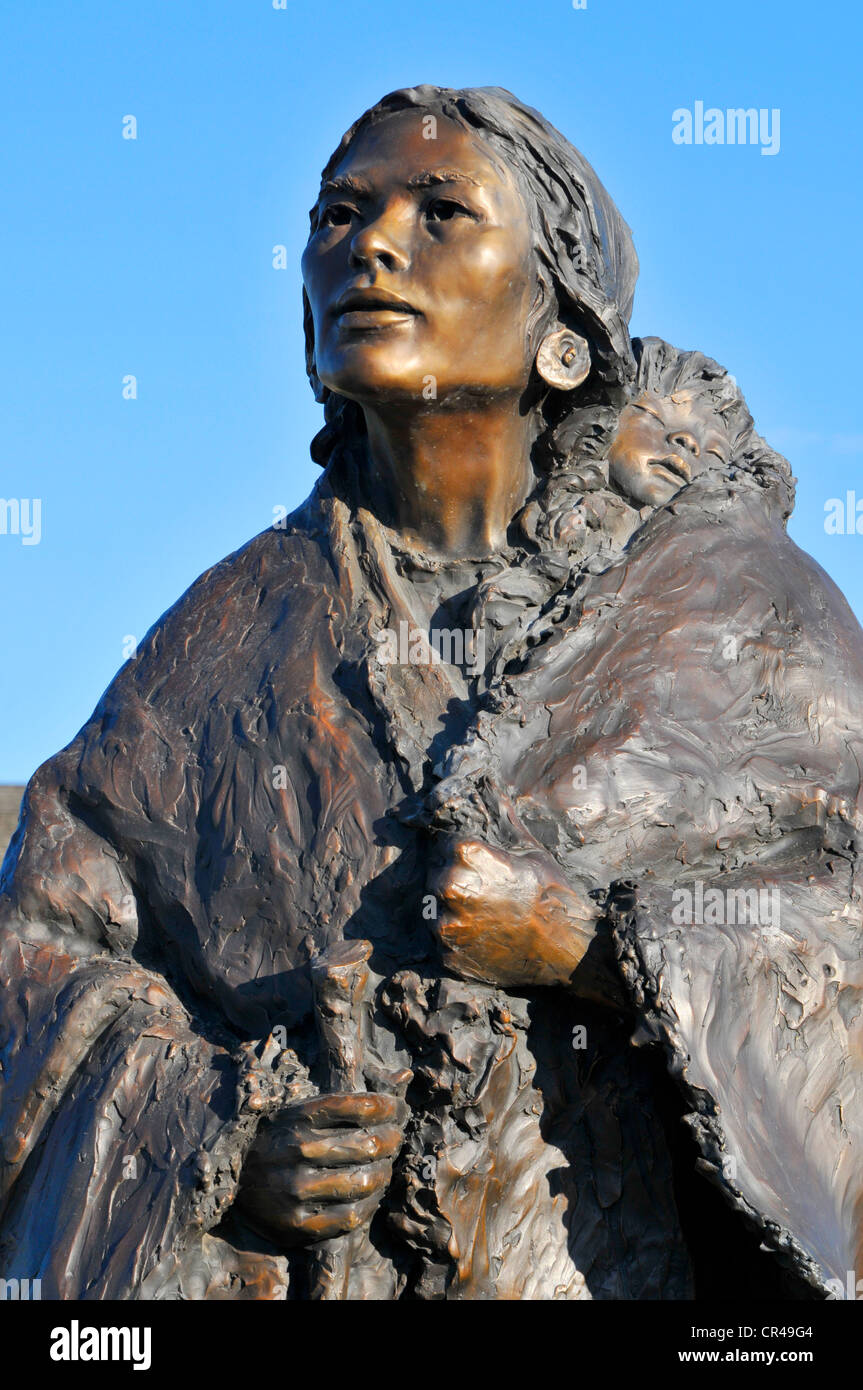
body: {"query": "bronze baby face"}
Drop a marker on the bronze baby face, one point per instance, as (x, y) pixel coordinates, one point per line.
(663, 442)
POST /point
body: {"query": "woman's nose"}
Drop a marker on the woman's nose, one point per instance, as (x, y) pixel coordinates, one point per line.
(378, 244)
(682, 439)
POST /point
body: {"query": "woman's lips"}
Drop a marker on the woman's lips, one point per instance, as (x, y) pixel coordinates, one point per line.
(372, 309)
(374, 317)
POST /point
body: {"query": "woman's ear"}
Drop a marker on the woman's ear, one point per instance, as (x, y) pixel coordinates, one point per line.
(563, 360)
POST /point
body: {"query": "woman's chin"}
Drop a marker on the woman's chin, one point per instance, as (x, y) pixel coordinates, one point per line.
(377, 385)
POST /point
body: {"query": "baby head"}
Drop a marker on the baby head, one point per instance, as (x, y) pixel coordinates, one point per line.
(686, 415)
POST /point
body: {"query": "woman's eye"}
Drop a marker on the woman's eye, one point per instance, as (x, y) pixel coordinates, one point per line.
(336, 215)
(444, 209)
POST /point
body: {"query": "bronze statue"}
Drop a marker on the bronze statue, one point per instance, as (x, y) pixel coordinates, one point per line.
(456, 895)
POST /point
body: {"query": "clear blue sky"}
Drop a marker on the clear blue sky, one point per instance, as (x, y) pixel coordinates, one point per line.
(153, 257)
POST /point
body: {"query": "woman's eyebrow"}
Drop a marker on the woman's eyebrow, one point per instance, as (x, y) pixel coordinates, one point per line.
(429, 178)
(346, 183)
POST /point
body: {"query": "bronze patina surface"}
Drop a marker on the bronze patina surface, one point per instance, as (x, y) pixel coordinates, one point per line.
(456, 897)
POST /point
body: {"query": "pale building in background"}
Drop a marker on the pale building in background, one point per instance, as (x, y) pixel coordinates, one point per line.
(10, 803)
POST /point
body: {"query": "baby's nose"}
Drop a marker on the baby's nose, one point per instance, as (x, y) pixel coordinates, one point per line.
(682, 439)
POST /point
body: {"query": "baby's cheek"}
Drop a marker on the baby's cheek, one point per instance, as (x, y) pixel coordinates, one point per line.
(629, 471)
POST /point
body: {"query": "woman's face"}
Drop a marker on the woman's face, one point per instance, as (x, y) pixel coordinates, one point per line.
(419, 268)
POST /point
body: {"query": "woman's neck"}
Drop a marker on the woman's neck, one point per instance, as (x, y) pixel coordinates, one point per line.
(450, 478)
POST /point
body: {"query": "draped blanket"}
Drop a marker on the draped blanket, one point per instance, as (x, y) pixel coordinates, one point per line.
(689, 736)
(245, 795)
